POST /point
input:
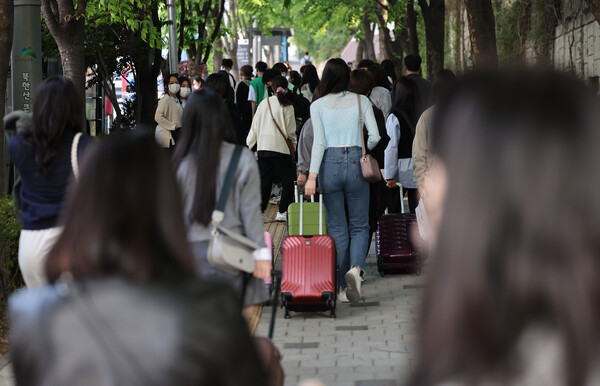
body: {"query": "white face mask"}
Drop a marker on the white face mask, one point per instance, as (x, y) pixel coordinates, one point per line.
(185, 91)
(174, 88)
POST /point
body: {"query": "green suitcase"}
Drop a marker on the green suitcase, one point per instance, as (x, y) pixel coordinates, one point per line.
(307, 214)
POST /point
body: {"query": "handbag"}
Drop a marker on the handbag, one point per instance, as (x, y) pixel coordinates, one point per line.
(227, 250)
(288, 142)
(368, 164)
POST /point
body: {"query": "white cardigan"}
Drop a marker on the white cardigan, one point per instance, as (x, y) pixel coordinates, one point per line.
(263, 131)
(168, 116)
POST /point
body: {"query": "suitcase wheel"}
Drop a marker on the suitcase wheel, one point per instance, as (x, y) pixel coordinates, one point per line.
(381, 273)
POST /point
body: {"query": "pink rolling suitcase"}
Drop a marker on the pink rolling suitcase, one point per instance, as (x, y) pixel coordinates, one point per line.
(308, 268)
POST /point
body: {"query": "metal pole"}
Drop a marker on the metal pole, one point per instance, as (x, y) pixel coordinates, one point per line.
(26, 56)
(173, 54)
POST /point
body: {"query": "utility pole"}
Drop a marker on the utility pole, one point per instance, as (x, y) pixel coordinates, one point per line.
(173, 55)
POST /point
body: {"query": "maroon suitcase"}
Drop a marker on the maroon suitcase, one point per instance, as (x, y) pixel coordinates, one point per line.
(395, 251)
(308, 280)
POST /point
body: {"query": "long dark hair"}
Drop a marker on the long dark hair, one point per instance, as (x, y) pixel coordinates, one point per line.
(280, 83)
(513, 251)
(205, 125)
(336, 76)
(123, 216)
(405, 95)
(310, 77)
(57, 110)
(390, 70)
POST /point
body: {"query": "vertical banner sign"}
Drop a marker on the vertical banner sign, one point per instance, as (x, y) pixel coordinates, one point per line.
(284, 47)
(26, 65)
(243, 52)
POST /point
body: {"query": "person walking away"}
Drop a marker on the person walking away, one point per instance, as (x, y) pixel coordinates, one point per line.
(306, 59)
(201, 163)
(47, 156)
(257, 91)
(226, 67)
(219, 84)
(241, 99)
(168, 115)
(273, 126)
(361, 82)
(412, 66)
(380, 95)
(335, 160)
(398, 154)
(512, 288)
(125, 307)
(310, 81)
(185, 90)
(422, 160)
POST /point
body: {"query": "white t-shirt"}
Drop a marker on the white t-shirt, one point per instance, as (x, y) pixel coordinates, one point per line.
(251, 94)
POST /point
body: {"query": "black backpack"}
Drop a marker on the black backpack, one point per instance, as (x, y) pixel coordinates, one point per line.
(301, 111)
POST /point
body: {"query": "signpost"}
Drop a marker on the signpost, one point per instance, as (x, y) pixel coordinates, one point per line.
(26, 65)
(243, 52)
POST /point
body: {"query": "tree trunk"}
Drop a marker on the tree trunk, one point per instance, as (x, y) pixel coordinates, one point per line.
(482, 29)
(411, 20)
(434, 16)
(360, 51)
(6, 35)
(147, 62)
(547, 20)
(66, 24)
(369, 35)
(385, 40)
(217, 54)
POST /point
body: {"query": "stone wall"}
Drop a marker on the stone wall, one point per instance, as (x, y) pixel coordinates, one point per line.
(577, 41)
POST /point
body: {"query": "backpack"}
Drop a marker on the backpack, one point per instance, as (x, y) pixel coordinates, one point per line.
(301, 111)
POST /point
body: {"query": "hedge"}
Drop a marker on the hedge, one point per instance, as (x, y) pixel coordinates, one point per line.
(11, 278)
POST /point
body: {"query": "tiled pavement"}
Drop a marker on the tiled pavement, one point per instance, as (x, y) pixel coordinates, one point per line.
(368, 344)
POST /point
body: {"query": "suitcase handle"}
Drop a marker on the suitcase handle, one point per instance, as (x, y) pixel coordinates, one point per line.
(401, 200)
(299, 196)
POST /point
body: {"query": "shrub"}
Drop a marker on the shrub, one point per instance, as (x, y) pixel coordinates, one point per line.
(10, 274)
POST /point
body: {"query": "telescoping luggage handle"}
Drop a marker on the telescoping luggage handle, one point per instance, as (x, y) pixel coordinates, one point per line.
(300, 200)
(401, 200)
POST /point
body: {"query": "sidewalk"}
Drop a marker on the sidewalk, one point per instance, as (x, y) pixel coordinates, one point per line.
(368, 344)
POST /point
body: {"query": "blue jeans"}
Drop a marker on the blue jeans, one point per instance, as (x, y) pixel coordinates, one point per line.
(344, 187)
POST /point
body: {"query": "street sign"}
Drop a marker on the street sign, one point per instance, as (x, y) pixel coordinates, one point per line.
(243, 52)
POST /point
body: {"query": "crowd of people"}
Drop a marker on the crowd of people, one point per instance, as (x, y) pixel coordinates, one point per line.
(117, 235)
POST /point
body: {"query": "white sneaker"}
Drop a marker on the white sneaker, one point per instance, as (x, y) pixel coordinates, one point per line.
(342, 298)
(354, 283)
(281, 216)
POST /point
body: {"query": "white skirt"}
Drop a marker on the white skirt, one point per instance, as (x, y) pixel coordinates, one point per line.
(34, 247)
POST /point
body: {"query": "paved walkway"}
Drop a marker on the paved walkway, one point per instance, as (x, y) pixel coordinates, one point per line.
(368, 344)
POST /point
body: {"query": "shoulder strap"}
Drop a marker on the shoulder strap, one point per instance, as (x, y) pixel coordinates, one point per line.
(275, 122)
(228, 181)
(408, 121)
(360, 127)
(74, 162)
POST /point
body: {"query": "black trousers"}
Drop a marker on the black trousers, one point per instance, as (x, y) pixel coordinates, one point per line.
(282, 166)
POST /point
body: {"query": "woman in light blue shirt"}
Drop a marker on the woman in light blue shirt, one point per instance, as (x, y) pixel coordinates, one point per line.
(335, 160)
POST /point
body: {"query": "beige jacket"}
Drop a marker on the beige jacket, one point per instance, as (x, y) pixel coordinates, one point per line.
(168, 116)
(263, 131)
(420, 150)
